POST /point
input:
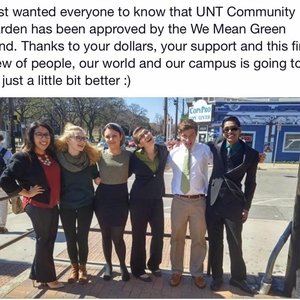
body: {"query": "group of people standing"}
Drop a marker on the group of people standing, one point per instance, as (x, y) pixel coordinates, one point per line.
(55, 177)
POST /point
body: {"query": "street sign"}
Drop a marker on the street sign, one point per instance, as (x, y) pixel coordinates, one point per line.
(203, 128)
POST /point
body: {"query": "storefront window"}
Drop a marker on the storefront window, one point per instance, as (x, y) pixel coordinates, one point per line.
(248, 138)
(291, 142)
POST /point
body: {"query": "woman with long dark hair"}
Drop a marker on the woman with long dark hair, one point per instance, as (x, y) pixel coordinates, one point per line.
(111, 202)
(34, 174)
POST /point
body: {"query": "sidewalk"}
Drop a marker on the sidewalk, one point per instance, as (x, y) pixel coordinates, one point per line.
(259, 239)
(278, 166)
(15, 265)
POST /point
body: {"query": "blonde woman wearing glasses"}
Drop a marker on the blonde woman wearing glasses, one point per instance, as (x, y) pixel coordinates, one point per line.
(35, 174)
(78, 169)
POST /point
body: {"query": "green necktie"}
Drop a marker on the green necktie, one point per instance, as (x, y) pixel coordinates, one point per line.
(185, 176)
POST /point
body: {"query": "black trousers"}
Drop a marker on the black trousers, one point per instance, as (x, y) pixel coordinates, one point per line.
(143, 212)
(45, 224)
(76, 224)
(230, 216)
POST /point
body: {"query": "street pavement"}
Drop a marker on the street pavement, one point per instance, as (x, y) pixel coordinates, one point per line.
(260, 236)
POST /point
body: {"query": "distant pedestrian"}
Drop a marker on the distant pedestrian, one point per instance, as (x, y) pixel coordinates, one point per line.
(5, 156)
(34, 174)
(78, 169)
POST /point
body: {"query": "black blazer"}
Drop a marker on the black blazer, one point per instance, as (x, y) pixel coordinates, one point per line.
(22, 173)
(148, 184)
(230, 181)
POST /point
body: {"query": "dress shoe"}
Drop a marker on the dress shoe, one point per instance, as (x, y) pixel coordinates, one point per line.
(199, 281)
(3, 230)
(54, 284)
(73, 273)
(108, 272)
(145, 277)
(175, 279)
(33, 282)
(243, 285)
(82, 274)
(215, 284)
(125, 275)
(156, 273)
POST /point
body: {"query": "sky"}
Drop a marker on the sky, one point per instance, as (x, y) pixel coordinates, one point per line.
(156, 106)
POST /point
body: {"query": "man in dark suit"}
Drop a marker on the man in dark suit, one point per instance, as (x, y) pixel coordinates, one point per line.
(227, 204)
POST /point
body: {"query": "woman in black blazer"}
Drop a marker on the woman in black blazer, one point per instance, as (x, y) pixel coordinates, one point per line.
(34, 174)
(146, 204)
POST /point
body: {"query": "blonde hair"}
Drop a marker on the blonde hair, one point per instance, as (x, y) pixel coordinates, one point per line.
(61, 144)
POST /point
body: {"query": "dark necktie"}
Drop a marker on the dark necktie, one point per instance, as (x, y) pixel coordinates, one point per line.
(229, 152)
(229, 162)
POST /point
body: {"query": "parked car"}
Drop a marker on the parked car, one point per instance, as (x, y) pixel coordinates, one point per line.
(159, 141)
(102, 144)
(131, 144)
(127, 140)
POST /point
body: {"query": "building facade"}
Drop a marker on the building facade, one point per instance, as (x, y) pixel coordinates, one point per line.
(269, 125)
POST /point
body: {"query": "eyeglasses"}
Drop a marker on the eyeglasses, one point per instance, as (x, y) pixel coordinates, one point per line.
(80, 138)
(40, 135)
(143, 134)
(227, 129)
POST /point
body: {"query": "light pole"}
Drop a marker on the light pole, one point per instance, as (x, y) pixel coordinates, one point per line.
(165, 118)
(12, 124)
(176, 115)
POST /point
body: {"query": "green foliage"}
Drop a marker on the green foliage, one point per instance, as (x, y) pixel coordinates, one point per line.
(89, 113)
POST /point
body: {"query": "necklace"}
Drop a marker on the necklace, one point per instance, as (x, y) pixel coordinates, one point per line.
(46, 161)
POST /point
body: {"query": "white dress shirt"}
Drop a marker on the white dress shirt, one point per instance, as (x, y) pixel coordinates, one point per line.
(201, 156)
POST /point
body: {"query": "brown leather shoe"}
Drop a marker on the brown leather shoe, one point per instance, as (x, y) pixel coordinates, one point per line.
(199, 281)
(175, 279)
(82, 275)
(74, 273)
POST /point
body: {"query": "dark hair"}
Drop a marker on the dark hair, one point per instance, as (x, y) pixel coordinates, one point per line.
(187, 124)
(115, 127)
(29, 145)
(231, 118)
(1, 138)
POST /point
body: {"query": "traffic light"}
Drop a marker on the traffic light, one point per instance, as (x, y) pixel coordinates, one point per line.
(175, 101)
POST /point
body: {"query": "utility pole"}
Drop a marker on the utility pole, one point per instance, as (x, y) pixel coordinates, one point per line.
(11, 110)
(165, 117)
(176, 116)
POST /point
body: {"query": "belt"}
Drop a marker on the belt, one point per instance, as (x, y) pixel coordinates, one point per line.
(191, 196)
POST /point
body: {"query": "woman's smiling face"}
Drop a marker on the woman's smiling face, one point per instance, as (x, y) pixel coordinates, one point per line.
(42, 139)
(145, 138)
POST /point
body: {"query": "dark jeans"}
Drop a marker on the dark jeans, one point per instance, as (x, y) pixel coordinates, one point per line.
(45, 224)
(143, 212)
(77, 238)
(218, 216)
